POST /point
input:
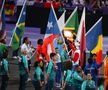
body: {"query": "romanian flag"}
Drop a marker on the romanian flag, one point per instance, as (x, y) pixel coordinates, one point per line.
(19, 29)
(94, 39)
(52, 33)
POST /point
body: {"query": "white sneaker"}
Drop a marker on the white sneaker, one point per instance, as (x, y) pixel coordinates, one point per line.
(29, 79)
(14, 57)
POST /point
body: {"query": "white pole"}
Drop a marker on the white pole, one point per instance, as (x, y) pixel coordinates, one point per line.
(17, 22)
(94, 25)
(71, 15)
(58, 27)
(2, 7)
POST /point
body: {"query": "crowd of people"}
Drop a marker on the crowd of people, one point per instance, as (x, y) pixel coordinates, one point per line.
(61, 71)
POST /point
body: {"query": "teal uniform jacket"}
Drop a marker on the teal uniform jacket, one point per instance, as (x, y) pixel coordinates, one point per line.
(101, 87)
(88, 85)
(24, 66)
(37, 74)
(77, 79)
(68, 76)
(64, 56)
(51, 71)
(4, 67)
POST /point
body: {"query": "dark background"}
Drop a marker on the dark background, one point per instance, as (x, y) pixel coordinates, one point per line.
(37, 16)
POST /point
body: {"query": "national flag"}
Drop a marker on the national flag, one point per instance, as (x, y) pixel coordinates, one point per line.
(72, 22)
(59, 41)
(2, 22)
(81, 38)
(61, 21)
(94, 39)
(52, 32)
(19, 29)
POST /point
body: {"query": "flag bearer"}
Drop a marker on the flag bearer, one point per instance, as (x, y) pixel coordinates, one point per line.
(37, 80)
(50, 73)
(4, 72)
(23, 70)
(88, 84)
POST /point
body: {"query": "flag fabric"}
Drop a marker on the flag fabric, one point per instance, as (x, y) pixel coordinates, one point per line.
(94, 39)
(52, 32)
(61, 21)
(72, 22)
(19, 29)
(59, 41)
(81, 38)
(2, 22)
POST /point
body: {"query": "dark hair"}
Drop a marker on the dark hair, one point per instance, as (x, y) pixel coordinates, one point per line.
(25, 39)
(5, 53)
(69, 65)
(40, 41)
(90, 61)
(93, 55)
(52, 55)
(107, 53)
(36, 63)
(56, 48)
(100, 81)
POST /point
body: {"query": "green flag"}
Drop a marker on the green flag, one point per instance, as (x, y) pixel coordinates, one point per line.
(72, 22)
(19, 29)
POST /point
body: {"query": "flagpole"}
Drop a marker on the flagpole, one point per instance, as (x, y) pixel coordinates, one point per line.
(58, 27)
(2, 7)
(93, 26)
(71, 15)
(17, 22)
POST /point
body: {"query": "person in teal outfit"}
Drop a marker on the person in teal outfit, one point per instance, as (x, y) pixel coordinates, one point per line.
(4, 72)
(23, 70)
(78, 77)
(100, 83)
(64, 57)
(50, 73)
(37, 79)
(67, 85)
(88, 84)
(2, 48)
